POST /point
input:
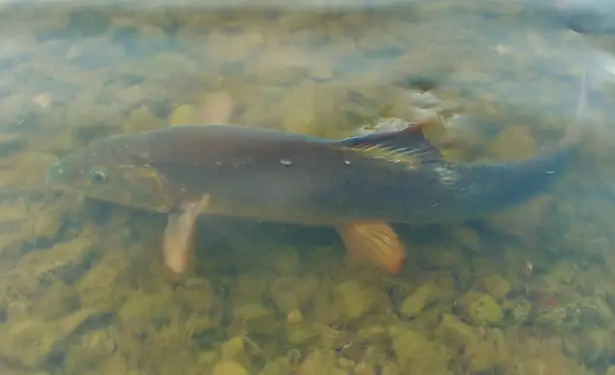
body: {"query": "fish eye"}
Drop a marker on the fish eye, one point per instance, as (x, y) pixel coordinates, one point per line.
(98, 177)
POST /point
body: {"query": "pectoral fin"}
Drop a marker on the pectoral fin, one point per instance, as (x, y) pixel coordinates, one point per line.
(374, 242)
(179, 235)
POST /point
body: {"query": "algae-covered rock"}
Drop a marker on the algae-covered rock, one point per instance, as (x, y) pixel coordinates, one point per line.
(18, 311)
(444, 257)
(317, 362)
(453, 331)
(595, 344)
(290, 293)
(513, 142)
(417, 354)
(481, 308)
(94, 348)
(255, 318)
(287, 261)
(562, 272)
(213, 108)
(278, 366)
(468, 238)
(516, 311)
(496, 286)
(207, 358)
(27, 170)
(300, 333)
(217, 108)
(594, 311)
(286, 302)
(140, 308)
(415, 303)
(183, 114)
(101, 287)
(522, 220)
(229, 368)
(353, 300)
(59, 300)
(312, 109)
(11, 143)
(142, 119)
(31, 342)
(234, 349)
(65, 261)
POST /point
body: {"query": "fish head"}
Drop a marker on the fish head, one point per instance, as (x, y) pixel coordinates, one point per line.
(115, 170)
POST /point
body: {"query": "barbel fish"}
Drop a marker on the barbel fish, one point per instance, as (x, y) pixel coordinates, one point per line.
(357, 185)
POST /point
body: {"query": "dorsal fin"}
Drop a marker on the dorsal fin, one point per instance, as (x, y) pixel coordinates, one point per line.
(409, 141)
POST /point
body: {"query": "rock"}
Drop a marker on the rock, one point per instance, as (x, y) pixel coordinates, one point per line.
(452, 330)
(142, 118)
(32, 342)
(353, 300)
(17, 311)
(59, 300)
(11, 143)
(207, 358)
(285, 301)
(294, 317)
(445, 257)
(497, 286)
(417, 354)
(183, 114)
(468, 238)
(217, 108)
(595, 311)
(521, 220)
(562, 272)
(278, 366)
(225, 367)
(233, 348)
(513, 142)
(213, 108)
(481, 308)
(298, 111)
(256, 318)
(516, 311)
(65, 261)
(298, 334)
(317, 362)
(287, 261)
(30, 169)
(233, 47)
(414, 304)
(96, 346)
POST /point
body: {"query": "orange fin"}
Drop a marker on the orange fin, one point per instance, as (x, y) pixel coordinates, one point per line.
(375, 242)
(179, 234)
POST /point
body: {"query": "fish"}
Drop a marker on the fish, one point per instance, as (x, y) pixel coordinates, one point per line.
(358, 185)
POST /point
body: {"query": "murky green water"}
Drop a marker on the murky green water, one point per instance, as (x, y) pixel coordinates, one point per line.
(84, 290)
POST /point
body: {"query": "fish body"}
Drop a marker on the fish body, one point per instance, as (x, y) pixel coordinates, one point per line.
(358, 185)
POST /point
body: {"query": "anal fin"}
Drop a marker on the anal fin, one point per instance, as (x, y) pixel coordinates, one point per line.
(179, 235)
(375, 242)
